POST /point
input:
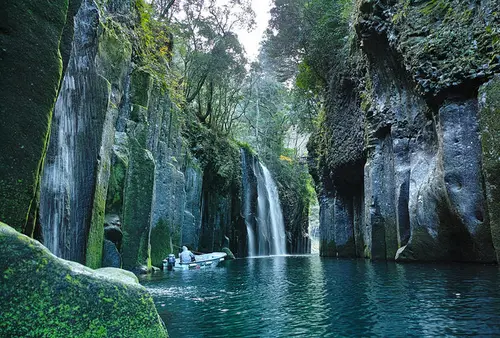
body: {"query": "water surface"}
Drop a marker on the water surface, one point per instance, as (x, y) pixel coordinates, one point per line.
(309, 296)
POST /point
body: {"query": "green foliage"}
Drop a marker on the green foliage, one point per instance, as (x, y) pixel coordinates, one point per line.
(247, 147)
(402, 11)
(293, 177)
(211, 60)
(436, 7)
(153, 51)
(218, 156)
(307, 39)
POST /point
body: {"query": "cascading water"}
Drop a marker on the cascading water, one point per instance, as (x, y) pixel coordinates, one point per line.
(270, 217)
(266, 231)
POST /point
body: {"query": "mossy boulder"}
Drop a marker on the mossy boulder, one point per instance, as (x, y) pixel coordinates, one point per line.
(30, 67)
(44, 296)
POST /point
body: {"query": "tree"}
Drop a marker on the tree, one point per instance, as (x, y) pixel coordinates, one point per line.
(306, 40)
(211, 59)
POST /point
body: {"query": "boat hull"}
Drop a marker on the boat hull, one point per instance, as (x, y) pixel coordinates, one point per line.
(202, 261)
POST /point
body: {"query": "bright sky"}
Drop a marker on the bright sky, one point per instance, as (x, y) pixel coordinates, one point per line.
(252, 40)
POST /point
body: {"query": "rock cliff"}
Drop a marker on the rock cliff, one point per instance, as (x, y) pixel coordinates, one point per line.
(406, 163)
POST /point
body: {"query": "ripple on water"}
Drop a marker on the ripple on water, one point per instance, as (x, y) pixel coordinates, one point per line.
(307, 296)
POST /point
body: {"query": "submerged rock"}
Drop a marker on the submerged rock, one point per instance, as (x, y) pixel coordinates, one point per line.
(44, 296)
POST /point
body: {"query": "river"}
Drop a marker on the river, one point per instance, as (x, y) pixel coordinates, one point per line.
(309, 296)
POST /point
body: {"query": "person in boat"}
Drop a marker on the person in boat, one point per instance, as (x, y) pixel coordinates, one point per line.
(186, 256)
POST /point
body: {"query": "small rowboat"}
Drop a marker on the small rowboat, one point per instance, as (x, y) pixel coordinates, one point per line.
(201, 261)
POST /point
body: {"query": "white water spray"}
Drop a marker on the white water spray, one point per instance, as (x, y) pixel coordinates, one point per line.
(264, 219)
(270, 215)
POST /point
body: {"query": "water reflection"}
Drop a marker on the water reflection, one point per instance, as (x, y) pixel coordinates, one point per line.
(307, 296)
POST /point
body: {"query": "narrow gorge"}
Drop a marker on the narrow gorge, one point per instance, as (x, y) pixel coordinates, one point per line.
(132, 128)
(112, 172)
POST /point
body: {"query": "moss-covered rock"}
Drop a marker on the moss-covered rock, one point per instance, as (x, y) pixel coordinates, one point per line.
(446, 45)
(489, 102)
(44, 296)
(31, 65)
(161, 242)
(219, 159)
(119, 166)
(138, 197)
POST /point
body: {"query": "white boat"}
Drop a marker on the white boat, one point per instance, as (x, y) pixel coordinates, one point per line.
(201, 261)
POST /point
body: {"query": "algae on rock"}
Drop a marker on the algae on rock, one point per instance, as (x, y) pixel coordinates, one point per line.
(31, 65)
(66, 299)
(489, 116)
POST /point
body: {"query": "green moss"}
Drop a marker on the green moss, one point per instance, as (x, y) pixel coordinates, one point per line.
(66, 299)
(31, 67)
(161, 243)
(114, 51)
(137, 205)
(218, 156)
(114, 199)
(95, 239)
(141, 84)
(246, 146)
(447, 44)
(490, 140)
(435, 8)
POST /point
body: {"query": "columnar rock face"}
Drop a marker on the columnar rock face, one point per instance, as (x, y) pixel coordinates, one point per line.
(192, 215)
(31, 69)
(489, 116)
(415, 190)
(76, 171)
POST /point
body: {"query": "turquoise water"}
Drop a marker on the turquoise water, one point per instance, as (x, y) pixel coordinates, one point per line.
(309, 296)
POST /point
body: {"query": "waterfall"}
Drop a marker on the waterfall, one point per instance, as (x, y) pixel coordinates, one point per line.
(270, 216)
(263, 219)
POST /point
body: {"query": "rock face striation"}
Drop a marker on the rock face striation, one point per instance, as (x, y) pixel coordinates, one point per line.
(407, 162)
(31, 68)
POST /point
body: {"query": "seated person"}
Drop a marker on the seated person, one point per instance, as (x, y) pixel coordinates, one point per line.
(186, 256)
